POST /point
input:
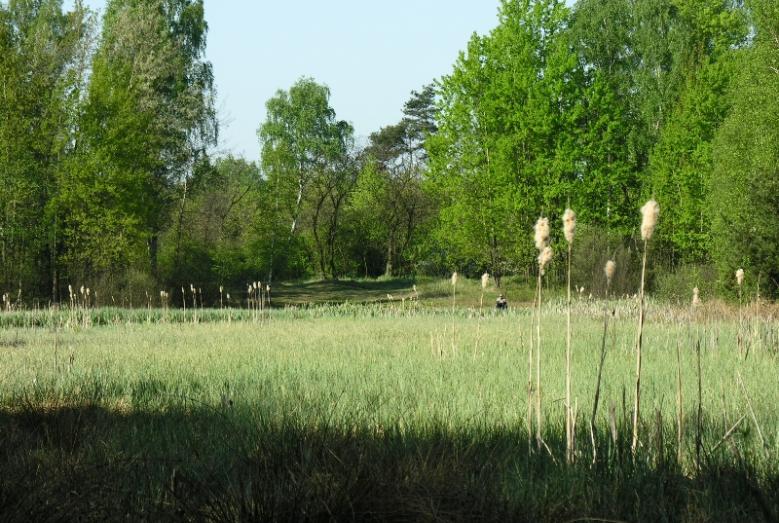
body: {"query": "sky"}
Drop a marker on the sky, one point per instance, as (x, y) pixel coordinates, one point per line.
(371, 54)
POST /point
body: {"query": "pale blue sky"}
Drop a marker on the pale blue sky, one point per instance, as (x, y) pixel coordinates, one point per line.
(371, 54)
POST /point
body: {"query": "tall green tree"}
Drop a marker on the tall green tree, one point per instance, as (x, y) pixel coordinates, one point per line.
(744, 195)
(390, 194)
(147, 123)
(681, 162)
(43, 59)
(307, 157)
(507, 132)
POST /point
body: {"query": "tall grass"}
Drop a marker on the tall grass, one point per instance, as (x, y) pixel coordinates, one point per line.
(342, 413)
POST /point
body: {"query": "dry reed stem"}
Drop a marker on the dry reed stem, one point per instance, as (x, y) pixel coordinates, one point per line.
(537, 390)
(637, 405)
(679, 403)
(751, 410)
(568, 421)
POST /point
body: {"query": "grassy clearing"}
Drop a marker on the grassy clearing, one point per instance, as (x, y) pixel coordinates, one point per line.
(381, 412)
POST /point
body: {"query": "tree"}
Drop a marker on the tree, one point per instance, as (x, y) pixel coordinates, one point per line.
(681, 162)
(507, 132)
(219, 239)
(305, 156)
(390, 193)
(744, 196)
(147, 123)
(43, 55)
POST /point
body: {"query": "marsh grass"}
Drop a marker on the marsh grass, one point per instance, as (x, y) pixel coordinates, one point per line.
(343, 412)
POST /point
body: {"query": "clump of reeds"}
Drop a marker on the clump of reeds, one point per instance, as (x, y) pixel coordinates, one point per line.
(569, 229)
(650, 212)
(541, 237)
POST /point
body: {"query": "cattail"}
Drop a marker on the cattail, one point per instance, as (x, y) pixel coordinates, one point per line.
(454, 279)
(650, 212)
(569, 225)
(485, 280)
(696, 298)
(544, 257)
(740, 277)
(542, 233)
(228, 296)
(221, 289)
(609, 270)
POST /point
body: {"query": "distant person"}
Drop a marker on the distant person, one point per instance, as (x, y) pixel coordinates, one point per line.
(501, 303)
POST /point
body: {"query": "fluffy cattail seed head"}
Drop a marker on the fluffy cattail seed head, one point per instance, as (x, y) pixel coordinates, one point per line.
(454, 278)
(544, 257)
(740, 277)
(569, 224)
(228, 296)
(610, 269)
(541, 235)
(696, 298)
(221, 289)
(485, 280)
(650, 212)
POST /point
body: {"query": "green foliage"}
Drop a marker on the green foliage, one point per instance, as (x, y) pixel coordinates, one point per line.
(307, 158)
(145, 126)
(42, 71)
(503, 152)
(106, 139)
(745, 188)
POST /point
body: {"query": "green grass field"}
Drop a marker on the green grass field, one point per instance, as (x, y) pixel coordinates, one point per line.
(393, 411)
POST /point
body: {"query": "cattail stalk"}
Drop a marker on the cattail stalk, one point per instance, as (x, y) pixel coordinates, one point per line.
(740, 337)
(454, 290)
(679, 405)
(485, 280)
(610, 269)
(650, 212)
(537, 390)
(569, 227)
(541, 238)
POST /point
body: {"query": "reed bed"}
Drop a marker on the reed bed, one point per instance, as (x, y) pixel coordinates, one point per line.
(345, 412)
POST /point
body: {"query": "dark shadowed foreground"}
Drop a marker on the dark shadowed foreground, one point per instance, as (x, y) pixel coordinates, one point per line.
(89, 464)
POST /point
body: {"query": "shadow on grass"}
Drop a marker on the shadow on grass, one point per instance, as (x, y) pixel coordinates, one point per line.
(91, 464)
(339, 291)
